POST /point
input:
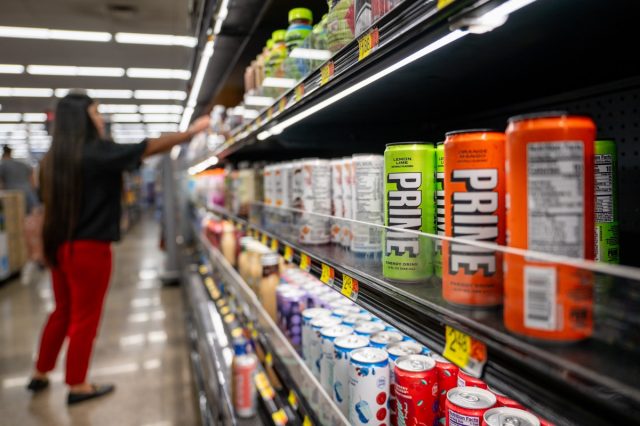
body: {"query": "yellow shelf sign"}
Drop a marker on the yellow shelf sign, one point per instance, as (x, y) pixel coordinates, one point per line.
(464, 351)
(368, 43)
(327, 274)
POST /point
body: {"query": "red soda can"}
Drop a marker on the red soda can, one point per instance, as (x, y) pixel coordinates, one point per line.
(465, 380)
(466, 406)
(503, 400)
(416, 390)
(505, 416)
(447, 380)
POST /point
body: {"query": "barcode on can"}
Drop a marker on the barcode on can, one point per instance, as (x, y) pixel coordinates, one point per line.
(540, 298)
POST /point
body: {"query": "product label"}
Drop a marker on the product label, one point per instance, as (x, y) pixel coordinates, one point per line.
(555, 192)
(457, 419)
(606, 237)
(440, 210)
(403, 205)
(540, 303)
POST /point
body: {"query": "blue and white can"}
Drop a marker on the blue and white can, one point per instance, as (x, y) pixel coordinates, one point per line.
(367, 328)
(369, 387)
(352, 319)
(382, 338)
(343, 346)
(309, 315)
(327, 362)
(315, 341)
(343, 311)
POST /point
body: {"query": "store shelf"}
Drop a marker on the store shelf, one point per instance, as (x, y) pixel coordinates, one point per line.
(592, 382)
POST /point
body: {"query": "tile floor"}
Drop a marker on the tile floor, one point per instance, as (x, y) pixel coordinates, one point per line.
(141, 348)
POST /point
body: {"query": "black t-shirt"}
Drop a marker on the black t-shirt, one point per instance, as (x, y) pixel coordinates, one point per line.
(102, 165)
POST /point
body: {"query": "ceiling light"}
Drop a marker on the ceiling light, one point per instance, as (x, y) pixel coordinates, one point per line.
(11, 127)
(158, 73)
(75, 71)
(160, 94)
(100, 93)
(11, 69)
(253, 100)
(163, 109)
(25, 92)
(204, 165)
(157, 39)
(207, 52)
(286, 83)
(125, 118)
(162, 127)
(117, 108)
(186, 118)
(10, 117)
(162, 118)
(45, 33)
(34, 117)
(312, 54)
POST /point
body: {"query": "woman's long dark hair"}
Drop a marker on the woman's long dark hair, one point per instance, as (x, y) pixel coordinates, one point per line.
(62, 172)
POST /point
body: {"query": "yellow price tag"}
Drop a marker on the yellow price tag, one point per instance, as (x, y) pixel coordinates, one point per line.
(236, 332)
(465, 351)
(263, 386)
(293, 401)
(444, 3)
(258, 121)
(350, 287)
(282, 104)
(367, 43)
(298, 92)
(280, 417)
(274, 245)
(327, 274)
(268, 359)
(229, 318)
(306, 421)
(326, 72)
(269, 114)
(254, 334)
(225, 310)
(305, 262)
(220, 303)
(264, 239)
(288, 253)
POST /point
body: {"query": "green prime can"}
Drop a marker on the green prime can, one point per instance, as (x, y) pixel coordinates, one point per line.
(437, 256)
(606, 229)
(409, 204)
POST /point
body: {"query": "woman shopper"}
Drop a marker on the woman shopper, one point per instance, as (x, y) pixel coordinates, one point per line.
(81, 189)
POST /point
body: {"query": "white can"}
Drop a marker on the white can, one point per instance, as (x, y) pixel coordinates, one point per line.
(343, 347)
(276, 183)
(315, 342)
(309, 315)
(367, 195)
(285, 185)
(367, 328)
(312, 194)
(347, 201)
(327, 362)
(337, 203)
(368, 387)
(268, 185)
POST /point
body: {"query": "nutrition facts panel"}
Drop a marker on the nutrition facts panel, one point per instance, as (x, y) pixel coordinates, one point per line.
(604, 188)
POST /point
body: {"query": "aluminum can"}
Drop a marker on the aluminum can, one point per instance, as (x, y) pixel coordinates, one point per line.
(337, 202)
(327, 362)
(503, 400)
(447, 380)
(344, 311)
(466, 406)
(347, 200)
(309, 315)
(369, 387)
(312, 194)
(416, 390)
(505, 416)
(474, 205)
(408, 198)
(382, 338)
(353, 319)
(550, 189)
(268, 185)
(291, 304)
(315, 342)
(606, 189)
(363, 15)
(367, 203)
(343, 347)
(367, 328)
(395, 351)
(379, 8)
(243, 369)
(440, 210)
(465, 380)
(283, 193)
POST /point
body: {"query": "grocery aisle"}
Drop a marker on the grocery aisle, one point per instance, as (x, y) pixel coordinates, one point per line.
(141, 347)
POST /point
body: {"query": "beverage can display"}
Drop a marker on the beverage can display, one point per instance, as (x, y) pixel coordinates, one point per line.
(447, 380)
(309, 315)
(343, 347)
(243, 391)
(353, 319)
(474, 205)
(337, 202)
(465, 380)
(606, 189)
(347, 199)
(367, 203)
(327, 362)
(367, 328)
(550, 184)
(505, 416)
(416, 390)
(466, 406)
(315, 341)
(312, 194)
(440, 210)
(503, 400)
(381, 339)
(369, 387)
(408, 198)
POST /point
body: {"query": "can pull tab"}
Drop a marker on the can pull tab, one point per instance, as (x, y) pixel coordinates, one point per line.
(469, 397)
(510, 421)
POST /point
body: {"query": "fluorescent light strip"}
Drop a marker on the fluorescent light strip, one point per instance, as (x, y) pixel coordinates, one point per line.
(100, 93)
(161, 109)
(161, 118)
(117, 109)
(162, 127)
(156, 39)
(75, 71)
(204, 165)
(186, 118)
(283, 83)
(50, 34)
(125, 118)
(253, 100)
(11, 69)
(158, 73)
(160, 94)
(10, 117)
(311, 54)
(144, 109)
(25, 92)
(34, 117)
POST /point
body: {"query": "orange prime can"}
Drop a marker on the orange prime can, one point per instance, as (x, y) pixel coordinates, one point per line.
(550, 209)
(474, 188)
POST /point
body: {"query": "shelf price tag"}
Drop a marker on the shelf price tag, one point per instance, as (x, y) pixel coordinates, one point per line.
(282, 104)
(326, 72)
(298, 92)
(293, 401)
(288, 253)
(264, 239)
(258, 121)
(307, 421)
(305, 262)
(237, 332)
(280, 417)
(464, 351)
(444, 3)
(327, 274)
(350, 287)
(268, 359)
(263, 386)
(274, 245)
(368, 43)
(270, 114)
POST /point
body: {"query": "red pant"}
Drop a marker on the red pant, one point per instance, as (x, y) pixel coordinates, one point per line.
(80, 283)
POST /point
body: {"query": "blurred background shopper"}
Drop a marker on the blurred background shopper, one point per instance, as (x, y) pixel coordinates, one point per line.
(81, 189)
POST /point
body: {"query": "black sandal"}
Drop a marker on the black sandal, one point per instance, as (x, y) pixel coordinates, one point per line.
(37, 385)
(98, 391)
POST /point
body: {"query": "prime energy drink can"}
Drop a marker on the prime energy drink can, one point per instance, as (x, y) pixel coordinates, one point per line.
(369, 387)
(343, 347)
(550, 209)
(367, 203)
(408, 197)
(440, 211)
(474, 210)
(327, 362)
(606, 188)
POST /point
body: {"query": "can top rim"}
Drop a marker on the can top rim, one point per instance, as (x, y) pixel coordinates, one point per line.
(409, 143)
(369, 327)
(439, 143)
(389, 335)
(321, 322)
(404, 348)
(470, 397)
(351, 341)
(415, 363)
(543, 114)
(336, 330)
(480, 130)
(500, 414)
(369, 355)
(316, 312)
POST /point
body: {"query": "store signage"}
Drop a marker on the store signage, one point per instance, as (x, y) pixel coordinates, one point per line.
(326, 73)
(305, 262)
(274, 245)
(465, 351)
(368, 43)
(350, 287)
(298, 93)
(288, 253)
(327, 274)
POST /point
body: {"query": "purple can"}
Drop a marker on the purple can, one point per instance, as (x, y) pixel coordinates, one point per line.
(292, 303)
